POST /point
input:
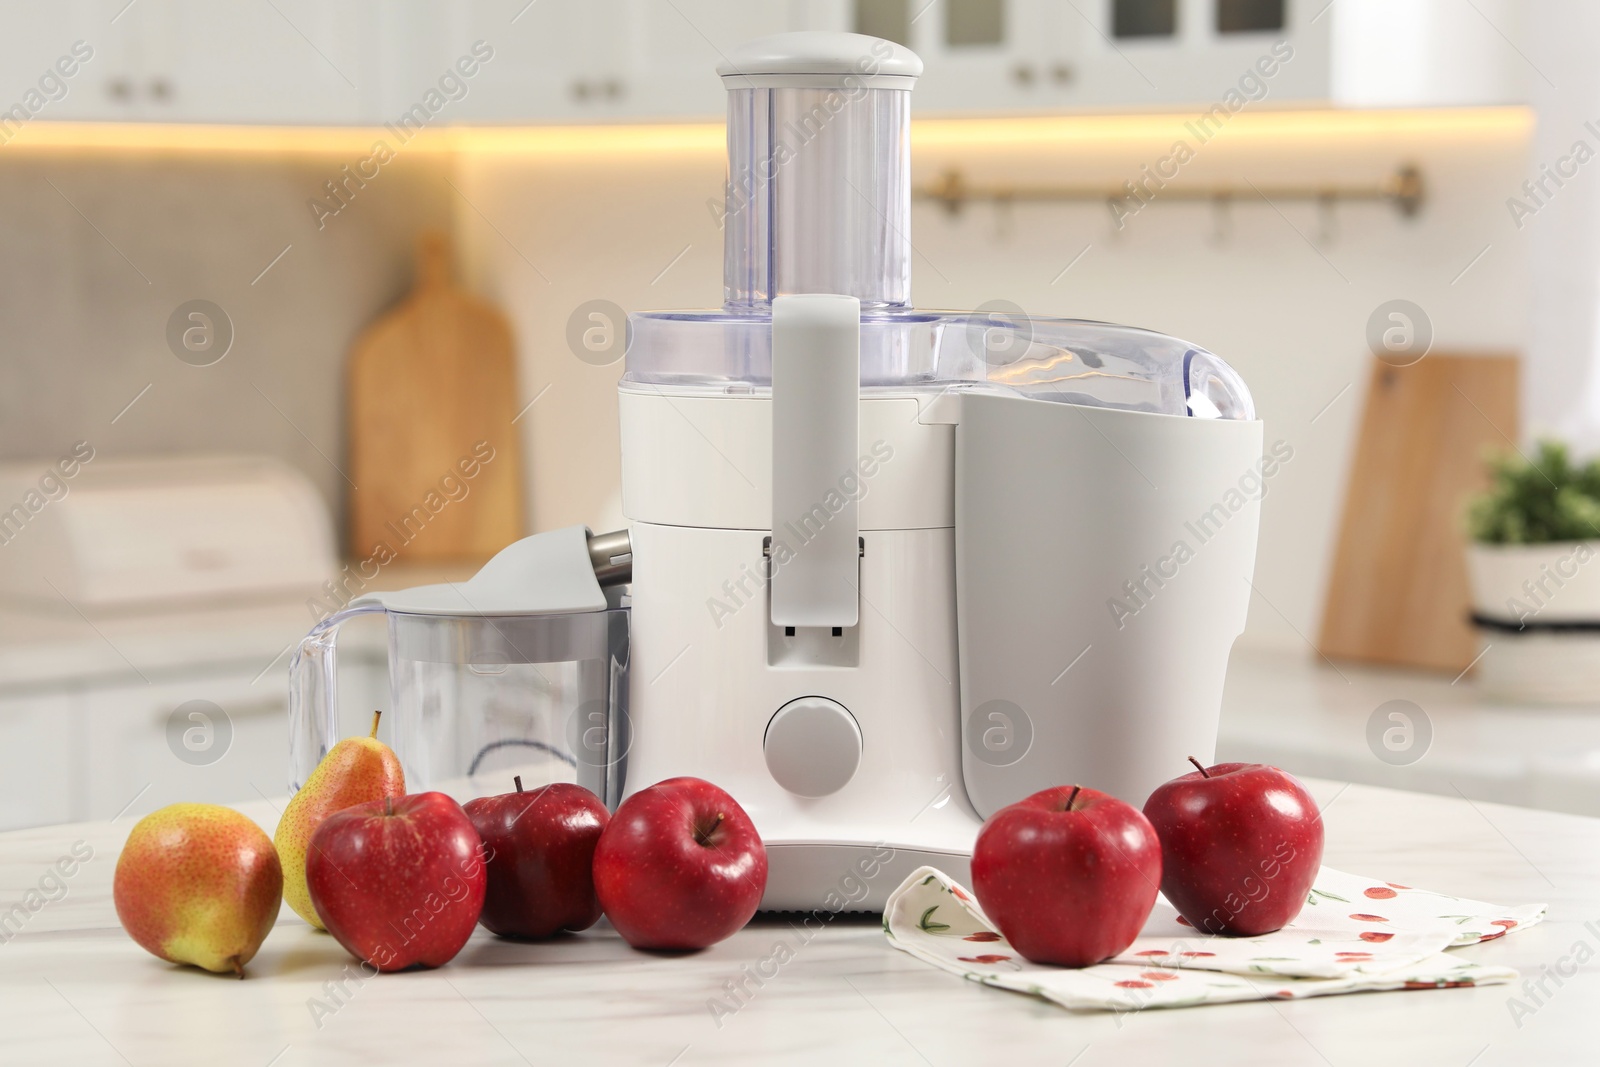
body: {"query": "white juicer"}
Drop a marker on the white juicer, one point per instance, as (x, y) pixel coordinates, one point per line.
(891, 569)
(895, 569)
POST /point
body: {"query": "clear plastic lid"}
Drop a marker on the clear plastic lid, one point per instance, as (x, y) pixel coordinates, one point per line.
(818, 200)
(1070, 360)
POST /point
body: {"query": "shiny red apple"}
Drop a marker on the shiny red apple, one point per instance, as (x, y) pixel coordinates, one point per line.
(399, 881)
(541, 858)
(680, 866)
(1069, 875)
(1241, 844)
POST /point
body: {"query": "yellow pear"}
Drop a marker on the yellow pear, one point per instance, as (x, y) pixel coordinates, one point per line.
(200, 884)
(355, 770)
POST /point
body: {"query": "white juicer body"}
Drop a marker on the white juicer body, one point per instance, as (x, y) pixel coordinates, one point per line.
(710, 669)
(894, 569)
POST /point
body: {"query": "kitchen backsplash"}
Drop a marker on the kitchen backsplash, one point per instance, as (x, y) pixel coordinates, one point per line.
(104, 246)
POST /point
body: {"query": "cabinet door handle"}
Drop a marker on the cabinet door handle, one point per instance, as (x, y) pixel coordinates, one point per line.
(119, 88)
(614, 89)
(257, 709)
(1022, 74)
(581, 91)
(1063, 74)
(160, 89)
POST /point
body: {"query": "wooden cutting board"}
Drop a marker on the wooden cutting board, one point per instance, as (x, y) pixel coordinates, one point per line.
(1398, 592)
(431, 392)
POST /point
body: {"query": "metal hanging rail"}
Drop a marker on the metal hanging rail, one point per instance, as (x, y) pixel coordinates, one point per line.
(1404, 189)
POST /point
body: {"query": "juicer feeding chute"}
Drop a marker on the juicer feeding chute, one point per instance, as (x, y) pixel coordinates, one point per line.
(819, 176)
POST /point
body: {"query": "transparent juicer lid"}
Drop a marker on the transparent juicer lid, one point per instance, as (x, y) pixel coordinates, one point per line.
(818, 200)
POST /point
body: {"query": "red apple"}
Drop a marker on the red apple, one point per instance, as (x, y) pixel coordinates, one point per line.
(1240, 846)
(541, 859)
(680, 866)
(1069, 875)
(399, 881)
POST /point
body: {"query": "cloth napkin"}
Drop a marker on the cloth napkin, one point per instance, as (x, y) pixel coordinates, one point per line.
(1354, 934)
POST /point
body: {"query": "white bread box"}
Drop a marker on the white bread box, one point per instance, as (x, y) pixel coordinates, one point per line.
(103, 533)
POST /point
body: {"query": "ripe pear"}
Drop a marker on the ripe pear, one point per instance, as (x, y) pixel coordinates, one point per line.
(200, 884)
(355, 770)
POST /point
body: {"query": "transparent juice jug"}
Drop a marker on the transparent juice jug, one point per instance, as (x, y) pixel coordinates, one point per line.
(521, 670)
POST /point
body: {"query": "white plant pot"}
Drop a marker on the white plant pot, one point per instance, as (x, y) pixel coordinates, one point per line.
(1538, 614)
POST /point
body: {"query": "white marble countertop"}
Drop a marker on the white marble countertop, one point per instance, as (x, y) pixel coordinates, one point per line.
(1294, 710)
(74, 989)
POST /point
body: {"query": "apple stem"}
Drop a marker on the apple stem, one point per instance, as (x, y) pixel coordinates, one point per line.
(1073, 797)
(376, 715)
(388, 805)
(1199, 768)
(703, 837)
(518, 780)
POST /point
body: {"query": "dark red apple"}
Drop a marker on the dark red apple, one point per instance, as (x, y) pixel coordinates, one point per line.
(680, 866)
(1240, 846)
(399, 881)
(541, 858)
(1069, 875)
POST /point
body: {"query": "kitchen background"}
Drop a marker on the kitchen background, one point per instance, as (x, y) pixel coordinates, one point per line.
(189, 157)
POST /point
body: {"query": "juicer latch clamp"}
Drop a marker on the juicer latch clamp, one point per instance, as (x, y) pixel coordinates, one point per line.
(612, 557)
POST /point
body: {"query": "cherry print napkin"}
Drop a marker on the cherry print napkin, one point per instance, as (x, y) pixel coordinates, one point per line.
(1353, 935)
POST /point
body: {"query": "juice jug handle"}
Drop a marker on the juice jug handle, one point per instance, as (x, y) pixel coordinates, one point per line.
(313, 694)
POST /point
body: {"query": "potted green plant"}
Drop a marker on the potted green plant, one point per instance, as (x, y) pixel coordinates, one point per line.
(1535, 589)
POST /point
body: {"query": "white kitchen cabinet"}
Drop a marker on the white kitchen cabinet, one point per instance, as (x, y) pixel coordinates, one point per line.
(40, 765)
(371, 61)
(67, 61)
(676, 48)
(292, 61)
(1040, 55)
(1351, 53)
(127, 748)
(1121, 55)
(551, 60)
(1429, 52)
(987, 55)
(599, 59)
(129, 759)
(77, 750)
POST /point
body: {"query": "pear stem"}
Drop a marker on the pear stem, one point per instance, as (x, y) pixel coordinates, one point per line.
(376, 715)
(238, 968)
(1199, 768)
(1073, 797)
(518, 780)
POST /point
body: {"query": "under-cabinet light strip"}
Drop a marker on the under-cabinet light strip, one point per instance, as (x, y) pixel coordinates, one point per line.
(928, 133)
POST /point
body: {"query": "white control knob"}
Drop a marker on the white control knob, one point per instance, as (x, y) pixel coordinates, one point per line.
(813, 746)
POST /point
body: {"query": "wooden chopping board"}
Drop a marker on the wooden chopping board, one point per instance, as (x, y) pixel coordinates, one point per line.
(431, 392)
(1399, 592)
